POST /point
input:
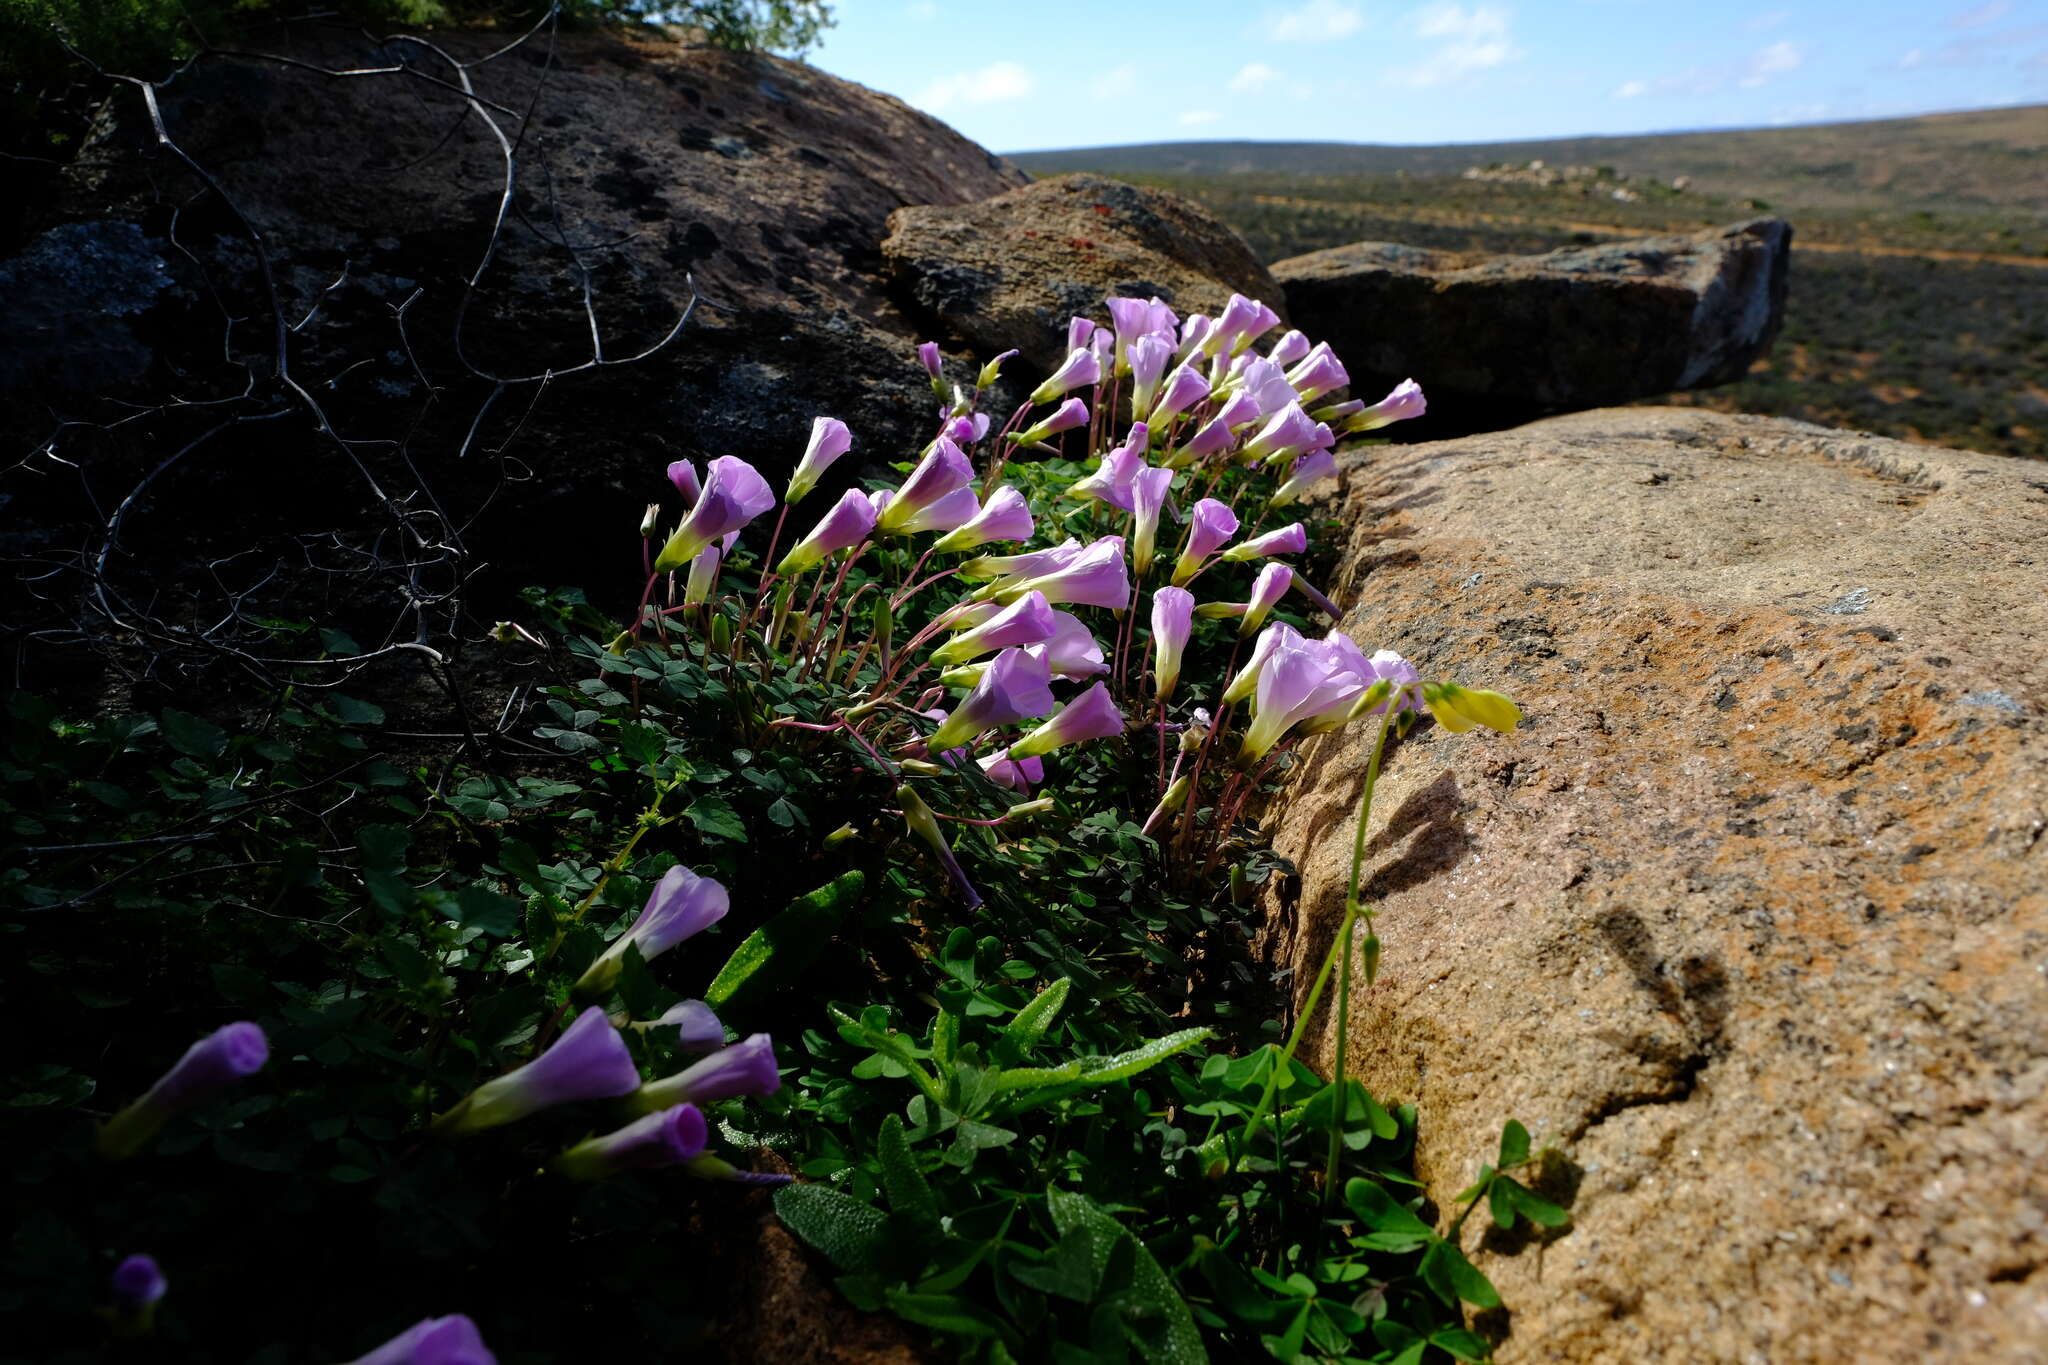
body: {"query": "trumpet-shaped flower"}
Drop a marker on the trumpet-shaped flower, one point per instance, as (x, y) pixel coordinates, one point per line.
(928, 356)
(137, 1284)
(1027, 565)
(1185, 387)
(1005, 516)
(1290, 433)
(1095, 578)
(1291, 539)
(1211, 438)
(851, 521)
(1173, 619)
(1403, 402)
(944, 470)
(745, 1068)
(1239, 410)
(1275, 637)
(947, 513)
(829, 440)
(453, 1340)
(1241, 322)
(681, 905)
(965, 431)
(1073, 652)
(1319, 372)
(683, 475)
(1148, 500)
(734, 494)
(1016, 774)
(1300, 683)
(1016, 687)
(1265, 383)
(1027, 621)
(667, 1137)
(1092, 715)
(925, 825)
(227, 1055)
(1210, 526)
(1267, 589)
(697, 1027)
(1135, 318)
(1079, 370)
(1079, 330)
(703, 576)
(1310, 470)
(1291, 347)
(1148, 358)
(1111, 481)
(1068, 415)
(589, 1061)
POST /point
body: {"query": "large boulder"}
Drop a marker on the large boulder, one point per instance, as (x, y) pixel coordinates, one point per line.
(1582, 327)
(1007, 273)
(1750, 917)
(444, 269)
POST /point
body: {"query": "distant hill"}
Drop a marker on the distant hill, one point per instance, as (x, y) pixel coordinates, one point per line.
(1995, 158)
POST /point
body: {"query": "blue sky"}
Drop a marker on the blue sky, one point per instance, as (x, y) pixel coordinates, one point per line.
(1058, 73)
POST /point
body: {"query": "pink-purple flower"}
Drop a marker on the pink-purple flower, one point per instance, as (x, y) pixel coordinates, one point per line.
(1173, 619)
(453, 1340)
(667, 1137)
(222, 1058)
(1310, 470)
(851, 521)
(1148, 500)
(1403, 402)
(829, 440)
(1073, 652)
(734, 494)
(1005, 516)
(1015, 687)
(1095, 577)
(1318, 372)
(746, 1068)
(1210, 526)
(1291, 539)
(1068, 415)
(590, 1061)
(1289, 434)
(1092, 715)
(1185, 387)
(1019, 775)
(697, 1026)
(945, 470)
(1111, 481)
(1079, 370)
(682, 904)
(1026, 621)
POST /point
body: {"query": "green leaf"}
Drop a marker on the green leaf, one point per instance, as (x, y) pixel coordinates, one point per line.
(479, 907)
(944, 1313)
(1500, 1200)
(712, 814)
(353, 711)
(1071, 1271)
(773, 955)
(909, 1194)
(1514, 1145)
(1453, 1277)
(1377, 1210)
(1461, 1343)
(1024, 1031)
(411, 966)
(383, 848)
(1537, 1210)
(847, 1231)
(188, 734)
(1154, 1316)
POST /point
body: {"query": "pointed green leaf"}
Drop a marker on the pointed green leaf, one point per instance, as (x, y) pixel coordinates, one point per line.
(1514, 1145)
(844, 1229)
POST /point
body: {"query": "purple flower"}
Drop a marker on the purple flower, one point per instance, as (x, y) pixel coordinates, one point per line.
(1079, 330)
(668, 1137)
(1022, 566)
(452, 1340)
(1312, 681)
(1319, 372)
(1016, 687)
(1266, 384)
(734, 494)
(928, 356)
(989, 374)
(715, 1168)
(1239, 410)
(1073, 652)
(1016, 774)
(1005, 516)
(1068, 415)
(1148, 499)
(1095, 577)
(1403, 402)
(1185, 387)
(1027, 621)
(1310, 470)
(745, 1068)
(1111, 481)
(1288, 349)
(589, 1061)
(682, 904)
(944, 469)
(1241, 322)
(1288, 435)
(1078, 371)
(1092, 715)
(1210, 527)
(1277, 636)
(697, 1028)
(1194, 333)
(965, 431)
(137, 1285)
(1149, 357)
(1267, 589)
(704, 570)
(851, 521)
(683, 475)
(829, 440)
(217, 1061)
(925, 825)
(1338, 412)
(1173, 619)
(1291, 539)
(947, 513)
(1211, 438)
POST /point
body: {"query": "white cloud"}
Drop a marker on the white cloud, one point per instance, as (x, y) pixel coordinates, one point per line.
(1117, 83)
(1194, 118)
(1629, 90)
(1315, 22)
(1472, 41)
(1912, 59)
(1254, 76)
(1978, 15)
(1775, 60)
(1765, 22)
(923, 10)
(987, 85)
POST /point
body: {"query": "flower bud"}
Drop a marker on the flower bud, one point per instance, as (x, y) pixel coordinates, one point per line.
(650, 520)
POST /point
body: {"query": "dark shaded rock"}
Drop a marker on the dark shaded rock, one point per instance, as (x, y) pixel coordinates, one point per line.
(1583, 327)
(1009, 271)
(70, 300)
(1748, 916)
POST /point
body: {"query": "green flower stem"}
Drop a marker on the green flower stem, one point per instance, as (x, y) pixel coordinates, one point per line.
(1352, 911)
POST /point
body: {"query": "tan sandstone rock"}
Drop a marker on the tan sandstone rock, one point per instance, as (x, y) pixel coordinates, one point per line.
(1009, 271)
(1750, 918)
